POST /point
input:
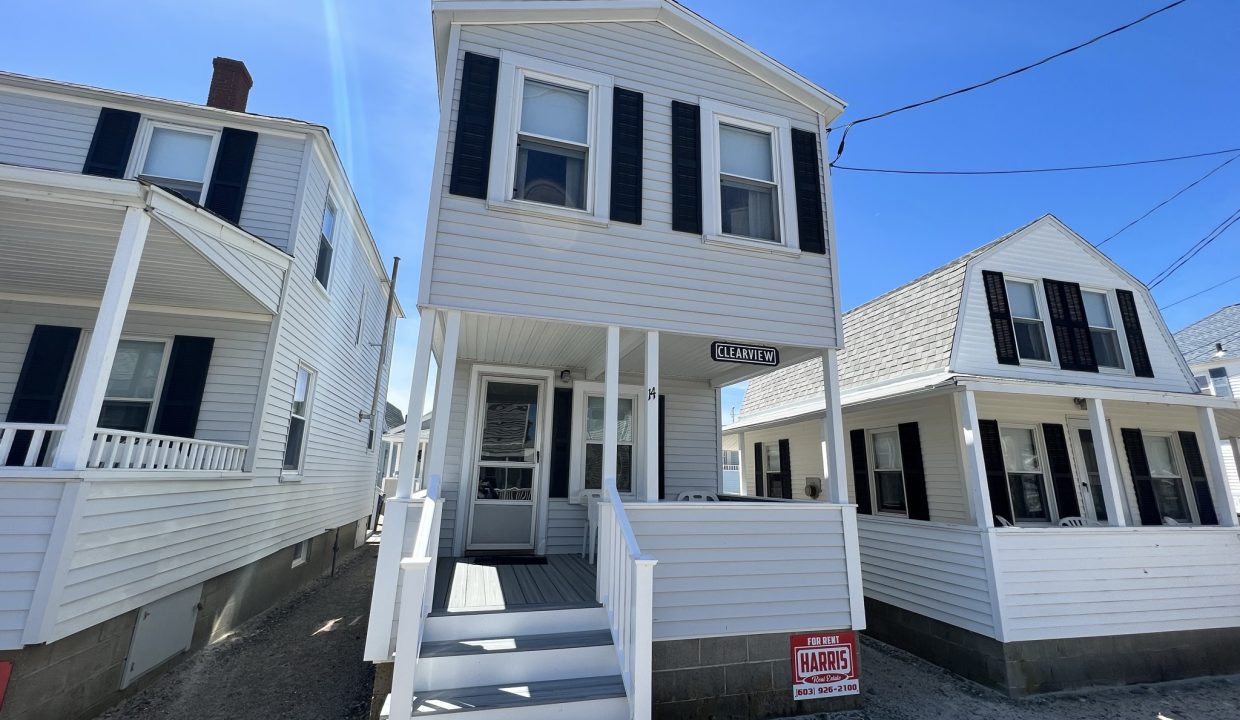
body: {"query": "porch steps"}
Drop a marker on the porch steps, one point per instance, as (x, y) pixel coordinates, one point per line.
(491, 623)
(528, 658)
(596, 698)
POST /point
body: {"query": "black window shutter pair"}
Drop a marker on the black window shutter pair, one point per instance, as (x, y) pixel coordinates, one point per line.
(996, 472)
(112, 144)
(1070, 326)
(1000, 318)
(916, 500)
(1060, 466)
(41, 384)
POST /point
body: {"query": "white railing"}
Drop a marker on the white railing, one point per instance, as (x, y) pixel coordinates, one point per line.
(120, 449)
(39, 434)
(626, 590)
(416, 595)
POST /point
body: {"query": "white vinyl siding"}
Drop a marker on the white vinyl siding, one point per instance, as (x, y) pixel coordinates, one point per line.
(805, 450)
(27, 517)
(45, 133)
(271, 195)
(635, 276)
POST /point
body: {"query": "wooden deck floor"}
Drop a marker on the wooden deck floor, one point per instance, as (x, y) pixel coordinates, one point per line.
(478, 584)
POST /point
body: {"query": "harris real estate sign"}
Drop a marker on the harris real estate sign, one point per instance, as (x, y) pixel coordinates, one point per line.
(824, 664)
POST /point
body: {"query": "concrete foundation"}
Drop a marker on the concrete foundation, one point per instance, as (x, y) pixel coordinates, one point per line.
(79, 676)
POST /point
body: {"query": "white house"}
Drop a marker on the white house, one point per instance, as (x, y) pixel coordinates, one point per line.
(1211, 347)
(191, 319)
(394, 448)
(607, 175)
(1039, 480)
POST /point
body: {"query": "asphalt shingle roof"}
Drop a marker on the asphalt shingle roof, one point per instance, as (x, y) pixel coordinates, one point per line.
(1197, 341)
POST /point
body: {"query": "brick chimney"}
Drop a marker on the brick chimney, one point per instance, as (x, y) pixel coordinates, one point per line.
(230, 84)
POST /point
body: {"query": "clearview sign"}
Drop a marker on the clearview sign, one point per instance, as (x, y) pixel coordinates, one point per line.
(749, 354)
(824, 665)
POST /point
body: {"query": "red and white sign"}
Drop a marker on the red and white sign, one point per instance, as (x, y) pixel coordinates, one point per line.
(824, 665)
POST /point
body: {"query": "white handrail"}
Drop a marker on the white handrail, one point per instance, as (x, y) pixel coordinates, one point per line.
(122, 449)
(40, 434)
(626, 590)
(416, 595)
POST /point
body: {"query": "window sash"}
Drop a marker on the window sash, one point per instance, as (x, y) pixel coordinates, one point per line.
(299, 410)
(771, 459)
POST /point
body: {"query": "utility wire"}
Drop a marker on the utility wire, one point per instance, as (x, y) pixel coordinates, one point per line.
(840, 150)
(1233, 278)
(1028, 171)
(1182, 190)
(1196, 248)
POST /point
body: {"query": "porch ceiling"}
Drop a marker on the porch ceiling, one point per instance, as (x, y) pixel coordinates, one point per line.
(65, 250)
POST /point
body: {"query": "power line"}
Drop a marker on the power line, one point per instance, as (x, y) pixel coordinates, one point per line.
(1182, 190)
(1028, 171)
(840, 150)
(1233, 278)
(1196, 248)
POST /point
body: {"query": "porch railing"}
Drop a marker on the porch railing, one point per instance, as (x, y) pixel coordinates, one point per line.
(626, 590)
(120, 449)
(417, 574)
(37, 435)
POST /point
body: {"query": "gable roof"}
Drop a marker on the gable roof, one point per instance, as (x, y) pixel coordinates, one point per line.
(1197, 341)
(668, 12)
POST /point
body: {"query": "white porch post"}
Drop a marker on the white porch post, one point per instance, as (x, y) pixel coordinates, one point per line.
(974, 461)
(1113, 494)
(740, 460)
(92, 382)
(438, 447)
(611, 404)
(417, 399)
(1220, 489)
(833, 465)
(651, 441)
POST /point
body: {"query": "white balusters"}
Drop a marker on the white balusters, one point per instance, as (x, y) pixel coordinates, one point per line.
(31, 439)
(626, 590)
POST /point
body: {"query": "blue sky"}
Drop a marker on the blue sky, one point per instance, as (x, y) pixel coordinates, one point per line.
(1166, 87)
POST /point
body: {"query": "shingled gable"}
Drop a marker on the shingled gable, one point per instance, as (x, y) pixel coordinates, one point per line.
(1198, 341)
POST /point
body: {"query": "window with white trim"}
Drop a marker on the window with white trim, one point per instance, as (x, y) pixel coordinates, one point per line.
(888, 472)
(1102, 330)
(1027, 323)
(327, 232)
(1219, 382)
(301, 552)
(553, 145)
(299, 415)
(134, 383)
(625, 443)
(1026, 474)
(178, 158)
(1171, 491)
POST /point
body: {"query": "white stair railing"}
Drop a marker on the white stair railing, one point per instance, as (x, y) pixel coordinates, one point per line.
(626, 590)
(121, 449)
(416, 595)
(39, 434)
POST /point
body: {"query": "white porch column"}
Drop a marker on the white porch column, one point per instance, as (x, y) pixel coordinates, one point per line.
(406, 462)
(1220, 489)
(438, 447)
(974, 460)
(835, 484)
(740, 460)
(92, 382)
(611, 404)
(1108, 471)
(651, 439)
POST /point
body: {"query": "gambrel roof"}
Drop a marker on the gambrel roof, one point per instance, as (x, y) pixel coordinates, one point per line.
(1197, 341)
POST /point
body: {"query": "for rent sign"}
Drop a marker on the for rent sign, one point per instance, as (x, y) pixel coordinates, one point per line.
(750, 354)
(824, 665)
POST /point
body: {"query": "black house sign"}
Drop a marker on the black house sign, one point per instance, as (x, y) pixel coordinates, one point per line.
(748, 354)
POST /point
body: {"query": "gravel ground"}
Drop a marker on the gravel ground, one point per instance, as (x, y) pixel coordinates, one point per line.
(301, 660)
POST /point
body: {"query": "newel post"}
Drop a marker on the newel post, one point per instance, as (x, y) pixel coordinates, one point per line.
(643, 636)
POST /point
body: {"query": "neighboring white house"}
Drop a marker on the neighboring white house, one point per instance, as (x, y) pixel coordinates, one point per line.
(191, 314)
(1211, 347)
(607, 176)
(394, 449)
(1039, 479)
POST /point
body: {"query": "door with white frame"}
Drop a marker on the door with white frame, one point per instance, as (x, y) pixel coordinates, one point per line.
(505, 487)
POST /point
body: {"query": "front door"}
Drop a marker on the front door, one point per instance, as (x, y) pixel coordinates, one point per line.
(505, 488)
(1088, 478)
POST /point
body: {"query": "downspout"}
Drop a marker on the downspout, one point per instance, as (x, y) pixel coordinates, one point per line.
(383, 350)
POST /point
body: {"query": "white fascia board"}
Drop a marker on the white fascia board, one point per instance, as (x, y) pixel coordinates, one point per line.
(1159, 397)
(169, 207)
(67, 187)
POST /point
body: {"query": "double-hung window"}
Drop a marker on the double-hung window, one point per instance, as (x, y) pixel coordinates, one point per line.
(179, 159)
(133, 385)
(625, 434)
(1102, 331)
(1025, 472)
(1170, 493)
(888, 472)
(772, 470)
(327, 231)
(1220, 382)
(1027, 322)
(299, 414)
(553, 145)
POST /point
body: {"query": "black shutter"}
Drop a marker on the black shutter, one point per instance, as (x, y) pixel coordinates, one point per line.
(915, 496)
(686, 168)
(860, 472)
(1197, 474)
(561, 441)
(759, 488)
(41, 383)
(1070, 326)
(1136, 339)
(231, 175)
(1000, 318)
(662, 449)
(112, 143)
(805, 169)
(626, 156)
(1142, 483)
(996, 472)
(184, 381)
(785, 469)
(475, 124)
(1060, 463)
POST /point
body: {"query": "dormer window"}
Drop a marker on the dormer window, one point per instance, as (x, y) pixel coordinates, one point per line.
(1027, 321)
(179, 159)
(553, 145)
(1102, 330)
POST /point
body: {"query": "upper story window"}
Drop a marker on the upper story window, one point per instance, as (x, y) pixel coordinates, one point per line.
(1219, 382)
(553, 145)
(178, 158)
(1027, 321)
(133, 385)
(1102, 330)
(327, 230)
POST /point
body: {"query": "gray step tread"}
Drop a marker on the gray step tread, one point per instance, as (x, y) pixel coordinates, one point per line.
(546, 692)
(520, 643)
(542, 607)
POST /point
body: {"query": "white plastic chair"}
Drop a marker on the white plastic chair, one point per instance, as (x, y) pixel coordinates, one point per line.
(1003, 522)
(1171, 521)
(589, 534)
(1073, 521)
(697, 496)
